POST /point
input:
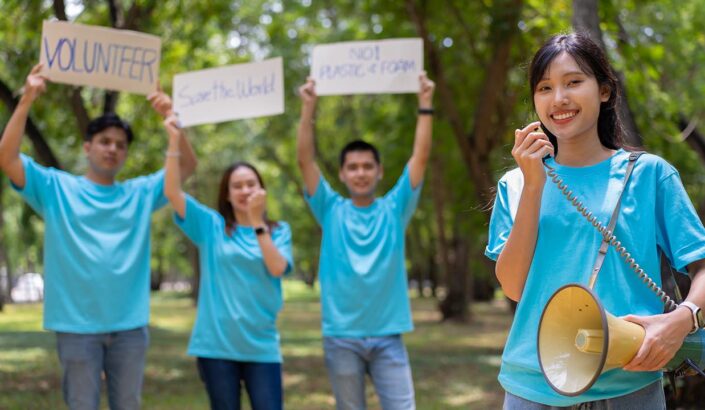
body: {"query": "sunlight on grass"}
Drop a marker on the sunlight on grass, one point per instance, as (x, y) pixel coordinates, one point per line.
(453, 365)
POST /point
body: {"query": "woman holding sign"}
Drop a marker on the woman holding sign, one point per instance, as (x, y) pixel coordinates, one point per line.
(243, 255)
(542, 241)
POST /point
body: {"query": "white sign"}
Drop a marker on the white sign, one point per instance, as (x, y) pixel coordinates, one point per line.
(368, 67)
(101, 57)
(230, 93)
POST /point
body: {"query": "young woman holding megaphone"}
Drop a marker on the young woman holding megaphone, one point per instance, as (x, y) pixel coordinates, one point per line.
(551, 237)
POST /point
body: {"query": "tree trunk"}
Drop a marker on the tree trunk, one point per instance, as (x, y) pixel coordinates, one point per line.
(454, 306)
(477, 143)
(44, 153)
(439, 204)
(157, 276)
(586, 19)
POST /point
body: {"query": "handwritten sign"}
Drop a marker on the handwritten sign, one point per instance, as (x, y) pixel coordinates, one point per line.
(119, 60)
(230, 93)
(368, 67)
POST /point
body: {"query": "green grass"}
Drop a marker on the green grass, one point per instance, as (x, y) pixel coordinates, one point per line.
(454, 366)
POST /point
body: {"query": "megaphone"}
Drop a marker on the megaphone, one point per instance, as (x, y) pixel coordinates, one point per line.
(578, 340)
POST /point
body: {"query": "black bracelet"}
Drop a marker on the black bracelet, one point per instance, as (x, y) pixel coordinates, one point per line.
(426, 111)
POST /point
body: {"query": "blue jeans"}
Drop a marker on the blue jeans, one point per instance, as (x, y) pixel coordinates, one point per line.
(650, 397)
(121, 355)
(383, 358)
(263, 382)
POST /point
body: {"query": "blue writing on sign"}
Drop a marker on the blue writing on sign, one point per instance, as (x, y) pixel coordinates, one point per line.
(220, 90)
(84, 56)
(361, 70)
(331, 72)
(368, 53)
(400, 66)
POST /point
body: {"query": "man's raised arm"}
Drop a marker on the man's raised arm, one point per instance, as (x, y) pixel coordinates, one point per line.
(305, 147)
(424, 124)
(10, 161)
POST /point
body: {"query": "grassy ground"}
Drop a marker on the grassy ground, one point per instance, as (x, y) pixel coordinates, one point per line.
(454, 366)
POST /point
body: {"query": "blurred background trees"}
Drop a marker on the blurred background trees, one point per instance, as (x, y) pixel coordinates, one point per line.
(476, 51)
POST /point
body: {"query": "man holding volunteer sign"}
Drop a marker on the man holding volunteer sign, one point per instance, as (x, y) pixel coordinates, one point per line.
(96, 240)
(365, 306)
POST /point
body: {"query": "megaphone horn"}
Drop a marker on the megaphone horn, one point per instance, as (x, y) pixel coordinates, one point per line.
(578, 340)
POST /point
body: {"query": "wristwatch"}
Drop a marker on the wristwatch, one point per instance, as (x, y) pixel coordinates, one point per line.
(698, 319)
(261, 230)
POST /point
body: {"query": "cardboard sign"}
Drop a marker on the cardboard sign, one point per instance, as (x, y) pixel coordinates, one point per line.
(368, 67)
(119, 60)
(230, 93)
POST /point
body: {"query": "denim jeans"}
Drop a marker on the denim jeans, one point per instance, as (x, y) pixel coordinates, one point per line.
(263, 382)
(121, 355)
(650, 397)
(384, 359)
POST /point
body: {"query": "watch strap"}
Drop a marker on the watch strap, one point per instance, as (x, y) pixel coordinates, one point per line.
(697, 314)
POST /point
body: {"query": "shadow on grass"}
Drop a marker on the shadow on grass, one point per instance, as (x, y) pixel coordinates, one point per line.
(454, 365)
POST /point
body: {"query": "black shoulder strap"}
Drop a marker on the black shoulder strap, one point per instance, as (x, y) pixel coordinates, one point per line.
(602, 253)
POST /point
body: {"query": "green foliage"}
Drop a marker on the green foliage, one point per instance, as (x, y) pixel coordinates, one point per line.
(657, 45)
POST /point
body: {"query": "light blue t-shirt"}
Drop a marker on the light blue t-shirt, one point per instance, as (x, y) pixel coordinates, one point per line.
(656, 213)
(362, 266)
(96, 248)
(238, 299)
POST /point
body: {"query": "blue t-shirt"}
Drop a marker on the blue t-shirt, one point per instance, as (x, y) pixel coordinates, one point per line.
(238, 299)
(362, 266)
(656, 213)
(96, 248)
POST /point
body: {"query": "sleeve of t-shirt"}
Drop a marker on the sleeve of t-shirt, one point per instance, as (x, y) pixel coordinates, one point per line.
(404, 196)
(680, 232)
(39, 181)
(501, 222)
(198, 222)
(154, 184)
(321, 200)
(281, 236)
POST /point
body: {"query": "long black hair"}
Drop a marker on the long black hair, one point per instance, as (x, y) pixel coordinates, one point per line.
(225, 208)
(593, 61)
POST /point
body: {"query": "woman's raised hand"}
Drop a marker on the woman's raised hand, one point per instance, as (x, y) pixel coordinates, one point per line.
(256, 204)
(531, 145)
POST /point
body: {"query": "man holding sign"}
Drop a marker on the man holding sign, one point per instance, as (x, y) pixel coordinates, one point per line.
(96, 252)
(365, 306)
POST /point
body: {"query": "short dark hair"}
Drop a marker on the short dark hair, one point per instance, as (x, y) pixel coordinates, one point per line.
(593, 61)
(358, 145)
(106, 121)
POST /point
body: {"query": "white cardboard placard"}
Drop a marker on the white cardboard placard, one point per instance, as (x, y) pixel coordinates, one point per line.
(368, 67)
(119, 60)
(229, 93)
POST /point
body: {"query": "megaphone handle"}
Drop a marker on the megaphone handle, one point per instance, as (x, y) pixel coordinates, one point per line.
(608, 232)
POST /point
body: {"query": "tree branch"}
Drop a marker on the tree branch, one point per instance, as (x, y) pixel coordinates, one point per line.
(74, 93)
(44, 153)
(467, 31)
(450, 109)
(60, 10)
(587, 19)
